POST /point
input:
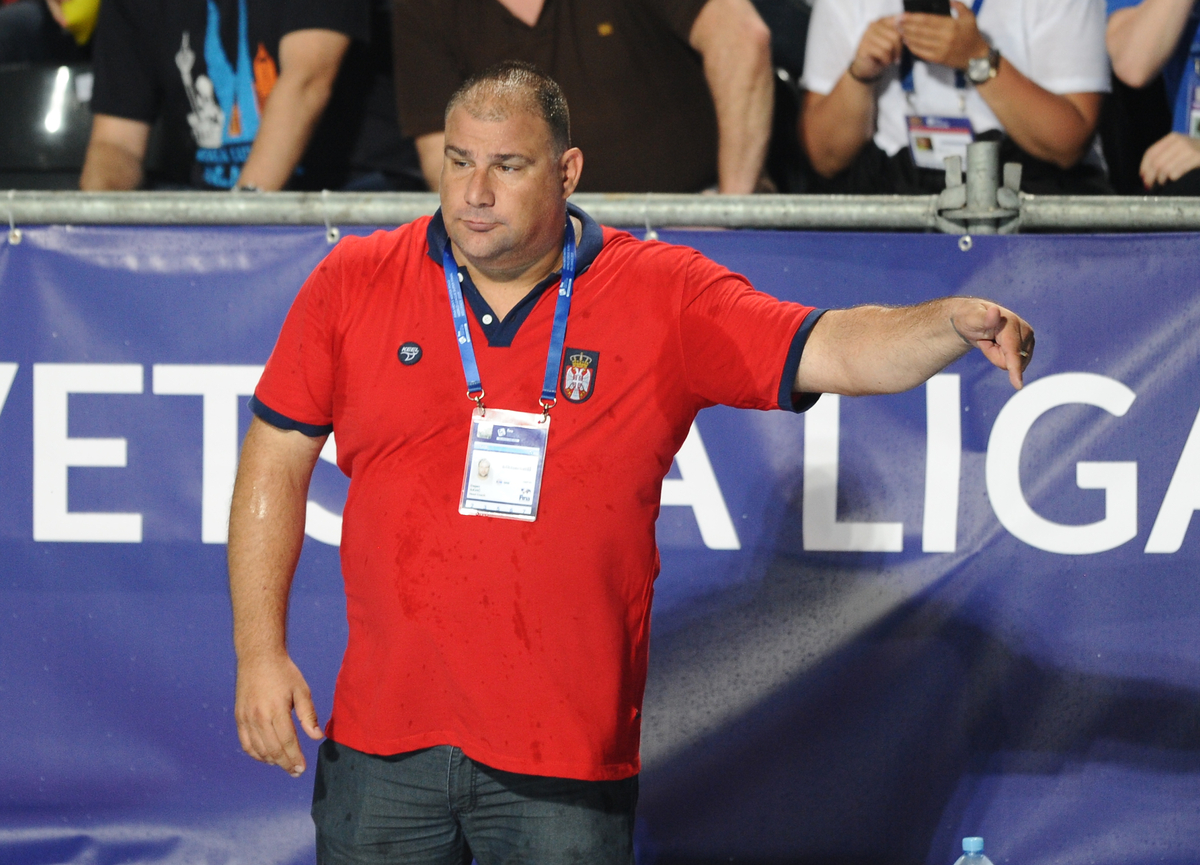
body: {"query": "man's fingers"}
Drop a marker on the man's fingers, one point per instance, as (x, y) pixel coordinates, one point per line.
(1015, 341)
(289, 756)
(1004, 337)
(306, 714)
(258, 748)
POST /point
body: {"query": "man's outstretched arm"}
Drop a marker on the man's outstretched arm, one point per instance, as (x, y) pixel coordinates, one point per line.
(876, 349)
(266, 532)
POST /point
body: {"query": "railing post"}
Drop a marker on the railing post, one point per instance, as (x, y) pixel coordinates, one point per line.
(983, 180)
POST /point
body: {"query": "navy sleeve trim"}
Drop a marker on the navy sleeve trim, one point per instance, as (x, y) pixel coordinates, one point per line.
(280, 421)
(798, 402)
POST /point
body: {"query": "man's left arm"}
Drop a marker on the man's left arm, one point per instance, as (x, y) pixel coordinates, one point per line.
(1055, 127)
(736, 47)
(875, 349)
(308, 65)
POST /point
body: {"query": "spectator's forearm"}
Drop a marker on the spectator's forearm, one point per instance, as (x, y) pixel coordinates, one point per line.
(110, 168)
(1054, 127)
(114, 155)
(834, 127)
(736, 47)
(1141, 38)
(308, 65)
(743, 93)
(289, 117)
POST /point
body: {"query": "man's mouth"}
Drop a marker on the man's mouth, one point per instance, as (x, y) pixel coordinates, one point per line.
(478, 224)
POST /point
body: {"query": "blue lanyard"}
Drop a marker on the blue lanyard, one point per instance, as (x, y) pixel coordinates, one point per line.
(906, 62)
(558, 334)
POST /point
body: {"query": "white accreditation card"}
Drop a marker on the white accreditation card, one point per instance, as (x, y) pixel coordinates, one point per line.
(505, 456)
(932, 139)
(1194, 101)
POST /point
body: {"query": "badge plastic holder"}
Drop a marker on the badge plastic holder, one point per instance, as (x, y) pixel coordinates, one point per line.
(506, 452)
(932, 139)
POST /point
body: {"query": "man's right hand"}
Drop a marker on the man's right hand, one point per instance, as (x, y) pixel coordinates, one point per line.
(879, 48)
(268, 689)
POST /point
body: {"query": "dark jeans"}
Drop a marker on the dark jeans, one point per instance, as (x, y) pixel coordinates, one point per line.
(439, 807)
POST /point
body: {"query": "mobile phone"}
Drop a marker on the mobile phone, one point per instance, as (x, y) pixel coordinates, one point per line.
(928, 7)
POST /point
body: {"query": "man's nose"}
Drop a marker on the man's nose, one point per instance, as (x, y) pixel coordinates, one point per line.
(479, 188)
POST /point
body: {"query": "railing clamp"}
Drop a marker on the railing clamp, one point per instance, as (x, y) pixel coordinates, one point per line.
(981, 205)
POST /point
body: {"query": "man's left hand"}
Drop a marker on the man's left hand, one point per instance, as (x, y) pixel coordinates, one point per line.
(1004, 337)
(947, 40)
(1169, 158)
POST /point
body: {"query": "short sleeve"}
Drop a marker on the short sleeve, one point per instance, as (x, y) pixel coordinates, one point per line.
(427, 73)
(349, 17)
(832, 42)
(296, 388)
(1116, 5)
(1066, 46)
(741, 347)
(678, 15)
(125, 84)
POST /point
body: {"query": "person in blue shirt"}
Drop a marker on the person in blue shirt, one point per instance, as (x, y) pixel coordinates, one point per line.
(1163, 36)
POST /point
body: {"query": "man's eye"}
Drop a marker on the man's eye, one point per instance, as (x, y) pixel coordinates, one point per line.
(508, 168)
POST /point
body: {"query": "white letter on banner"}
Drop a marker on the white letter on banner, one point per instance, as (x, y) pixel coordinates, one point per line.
(321, 524)
(222, 388)
(1182, 498)
(943, 463)
(697, 489)
(54, 452)
(8, 372)
(821, 528)
(1117, 479)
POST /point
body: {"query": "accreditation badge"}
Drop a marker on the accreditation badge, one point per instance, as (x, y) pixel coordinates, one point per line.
(1194, 99)
(932, 139)
(506, 452)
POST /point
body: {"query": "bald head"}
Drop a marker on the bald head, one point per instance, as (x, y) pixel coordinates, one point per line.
(515, 87)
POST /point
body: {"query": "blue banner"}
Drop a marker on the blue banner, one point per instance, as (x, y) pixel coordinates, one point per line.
(883, 626)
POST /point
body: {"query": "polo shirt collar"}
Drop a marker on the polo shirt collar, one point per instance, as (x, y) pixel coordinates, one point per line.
(501, 333)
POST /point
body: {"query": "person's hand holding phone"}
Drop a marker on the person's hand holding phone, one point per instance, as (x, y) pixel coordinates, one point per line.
(947, 40)
(877, 50)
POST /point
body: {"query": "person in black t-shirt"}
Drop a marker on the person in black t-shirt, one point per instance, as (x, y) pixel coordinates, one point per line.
(240, 86)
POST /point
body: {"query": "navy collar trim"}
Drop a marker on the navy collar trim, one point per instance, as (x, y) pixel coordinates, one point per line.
(499, 333)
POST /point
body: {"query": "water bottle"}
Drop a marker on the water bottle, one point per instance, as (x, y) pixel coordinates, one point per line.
(973, 853)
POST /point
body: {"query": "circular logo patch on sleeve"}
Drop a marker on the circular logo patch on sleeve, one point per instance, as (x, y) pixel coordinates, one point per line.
(409, 353)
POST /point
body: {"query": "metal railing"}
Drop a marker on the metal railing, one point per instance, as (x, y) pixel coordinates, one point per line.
(981, 205)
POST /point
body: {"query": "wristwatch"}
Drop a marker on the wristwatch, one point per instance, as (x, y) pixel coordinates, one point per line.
(981, 70)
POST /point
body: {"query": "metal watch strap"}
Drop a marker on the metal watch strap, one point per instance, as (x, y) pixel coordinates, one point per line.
(978, 72)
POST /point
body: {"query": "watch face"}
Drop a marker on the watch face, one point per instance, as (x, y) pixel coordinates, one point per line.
(978, 69)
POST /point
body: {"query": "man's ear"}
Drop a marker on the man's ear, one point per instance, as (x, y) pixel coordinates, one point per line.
(570, 166)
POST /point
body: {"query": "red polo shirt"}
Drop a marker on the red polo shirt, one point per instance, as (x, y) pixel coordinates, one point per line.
(524, 644)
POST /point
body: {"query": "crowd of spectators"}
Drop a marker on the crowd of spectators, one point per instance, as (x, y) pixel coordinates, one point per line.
(730, 96)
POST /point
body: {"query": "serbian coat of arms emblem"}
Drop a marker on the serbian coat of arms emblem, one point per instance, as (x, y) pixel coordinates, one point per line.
(579, 374)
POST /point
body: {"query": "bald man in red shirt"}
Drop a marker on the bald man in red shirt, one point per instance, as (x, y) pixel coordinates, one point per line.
(509, 384)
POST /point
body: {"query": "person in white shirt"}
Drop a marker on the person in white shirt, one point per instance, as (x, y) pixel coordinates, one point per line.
(890, 94)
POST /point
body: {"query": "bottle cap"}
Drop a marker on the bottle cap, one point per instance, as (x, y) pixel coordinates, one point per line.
(972, 845)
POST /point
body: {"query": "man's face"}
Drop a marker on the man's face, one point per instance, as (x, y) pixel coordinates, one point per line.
(503, 188)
